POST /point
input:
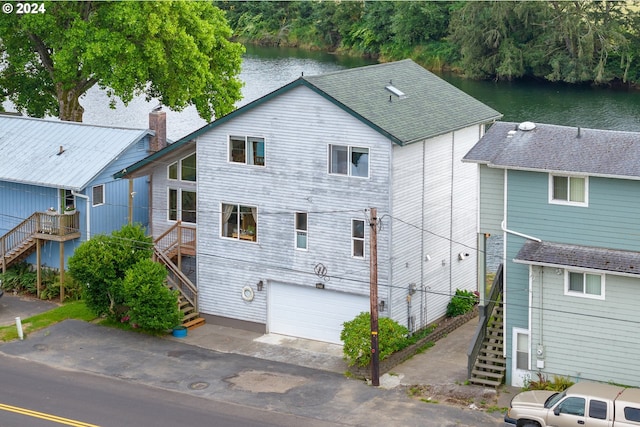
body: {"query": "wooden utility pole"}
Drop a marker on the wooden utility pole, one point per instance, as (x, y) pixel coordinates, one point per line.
(373, 293)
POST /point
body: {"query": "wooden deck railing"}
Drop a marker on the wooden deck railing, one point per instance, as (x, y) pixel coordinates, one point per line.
(495, 295)
(44, 225)
(179, 239)
(177, 279)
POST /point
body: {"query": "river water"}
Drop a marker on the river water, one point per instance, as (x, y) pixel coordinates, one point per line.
(266, 69)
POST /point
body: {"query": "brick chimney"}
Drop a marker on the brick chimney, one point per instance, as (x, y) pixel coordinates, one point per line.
(158, 124)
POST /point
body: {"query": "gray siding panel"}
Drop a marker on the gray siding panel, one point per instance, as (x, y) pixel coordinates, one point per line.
(433, 216)
(298, 127)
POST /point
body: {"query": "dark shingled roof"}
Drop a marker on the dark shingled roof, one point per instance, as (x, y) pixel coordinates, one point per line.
(554, 148)
(563, 255)
(431, 106)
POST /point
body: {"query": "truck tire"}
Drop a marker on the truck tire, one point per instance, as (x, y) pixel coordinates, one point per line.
(529, 424)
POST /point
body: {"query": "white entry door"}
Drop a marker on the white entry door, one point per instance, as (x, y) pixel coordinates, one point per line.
(521, 357)
(307, 312)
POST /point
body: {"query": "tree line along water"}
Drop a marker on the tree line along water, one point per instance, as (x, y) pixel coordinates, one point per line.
(265, 69)
(576, 42)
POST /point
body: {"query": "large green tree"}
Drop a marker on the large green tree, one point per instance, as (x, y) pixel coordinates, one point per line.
(574, 42)
(176, 51)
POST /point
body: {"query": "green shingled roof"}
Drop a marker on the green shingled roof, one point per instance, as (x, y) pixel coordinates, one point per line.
(431, 106)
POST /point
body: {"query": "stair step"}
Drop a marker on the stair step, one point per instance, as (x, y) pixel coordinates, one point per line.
(496, 368)
(489, 374)
(192, 324)
(491, 351)
(492, 359)
(188, 316)
(485, 381)
(495, 345)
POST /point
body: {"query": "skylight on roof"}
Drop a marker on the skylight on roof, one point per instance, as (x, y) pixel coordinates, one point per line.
(397, 92)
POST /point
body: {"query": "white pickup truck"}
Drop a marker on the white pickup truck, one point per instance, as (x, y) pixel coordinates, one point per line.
(582, 404)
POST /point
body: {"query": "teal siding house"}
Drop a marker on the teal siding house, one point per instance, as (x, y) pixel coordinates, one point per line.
(566, 202)
(57, 187)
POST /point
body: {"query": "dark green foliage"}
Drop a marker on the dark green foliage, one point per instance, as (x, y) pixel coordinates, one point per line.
(23, 279)
(462, 302)
(152, 306)
(101, 264)
(20, 278)
(573, 42)
(94, 265)
(356, 336)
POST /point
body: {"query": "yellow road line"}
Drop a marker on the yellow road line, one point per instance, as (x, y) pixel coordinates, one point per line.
(44, 416)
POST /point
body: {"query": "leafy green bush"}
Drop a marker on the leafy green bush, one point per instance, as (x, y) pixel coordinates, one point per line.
(356, 336)
(101, 264)
(94, 265)
(152, 306)
(462, 302)
(20, 278)
(23, 279)
(543, 383)
(51, 287)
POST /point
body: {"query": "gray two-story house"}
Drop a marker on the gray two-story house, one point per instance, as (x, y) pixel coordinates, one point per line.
(280, 193)
(565, 201)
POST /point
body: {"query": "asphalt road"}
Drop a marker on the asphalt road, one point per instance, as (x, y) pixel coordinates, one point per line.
(108, 377)
(35, 395)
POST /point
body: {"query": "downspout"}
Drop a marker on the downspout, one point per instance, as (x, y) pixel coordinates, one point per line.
(83, 196)
(515, 233)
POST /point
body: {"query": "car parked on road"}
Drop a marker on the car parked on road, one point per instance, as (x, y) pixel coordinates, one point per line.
(583, 404)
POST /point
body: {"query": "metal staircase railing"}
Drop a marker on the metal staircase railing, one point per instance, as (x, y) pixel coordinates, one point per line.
(495, 295)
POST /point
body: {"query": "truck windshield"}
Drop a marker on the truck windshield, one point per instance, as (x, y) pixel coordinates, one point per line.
(553, 399)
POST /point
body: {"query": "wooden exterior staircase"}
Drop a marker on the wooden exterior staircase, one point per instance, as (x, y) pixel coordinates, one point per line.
(169, 248)
(486, 364)
(22, 240)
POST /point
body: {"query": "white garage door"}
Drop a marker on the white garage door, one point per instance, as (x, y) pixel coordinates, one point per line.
(306, 312)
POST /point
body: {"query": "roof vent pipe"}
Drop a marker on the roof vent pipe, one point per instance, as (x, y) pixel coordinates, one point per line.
(60, 151)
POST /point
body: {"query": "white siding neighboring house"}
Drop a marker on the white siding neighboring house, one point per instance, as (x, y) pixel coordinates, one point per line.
(285, 183)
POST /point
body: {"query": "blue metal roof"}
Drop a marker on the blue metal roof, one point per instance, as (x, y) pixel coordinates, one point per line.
(59, 154)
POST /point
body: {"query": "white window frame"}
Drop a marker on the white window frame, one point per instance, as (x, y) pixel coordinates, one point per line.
(359, 239)
(179, 204)
(93, 194)
(584, 293)
(568, 202)
(349, 149)
(178, 165)
(249, 158)
(520, 376)
(300, 231)
(239, 233)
